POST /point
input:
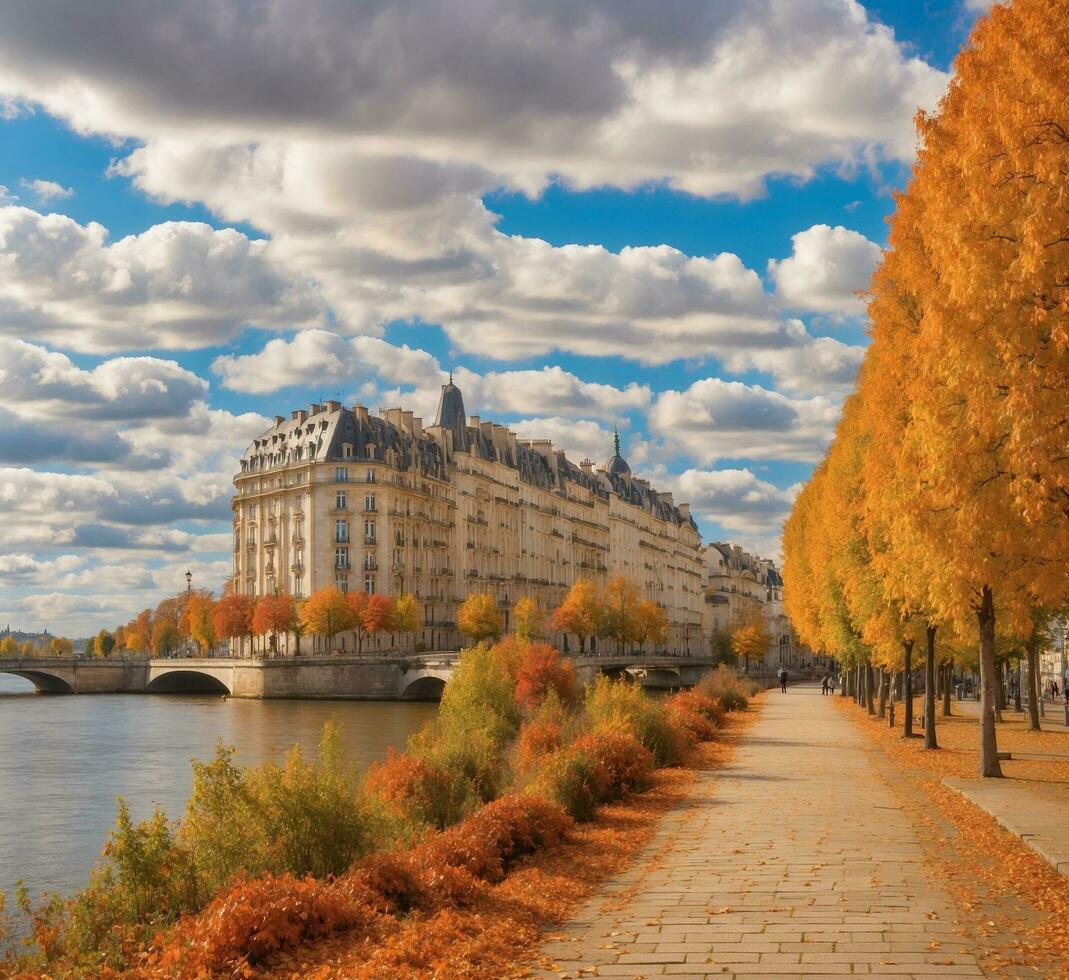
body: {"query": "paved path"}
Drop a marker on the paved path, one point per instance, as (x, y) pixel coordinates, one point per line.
(797, 861)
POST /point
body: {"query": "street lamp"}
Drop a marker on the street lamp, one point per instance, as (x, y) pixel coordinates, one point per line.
(189, 595)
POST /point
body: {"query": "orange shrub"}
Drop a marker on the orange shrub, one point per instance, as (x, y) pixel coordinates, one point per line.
(702, 704)
(691, 726)
(538, 738)
(254, 918)
(418, 790)
(543, 670)
(627, 761)
(492, 839)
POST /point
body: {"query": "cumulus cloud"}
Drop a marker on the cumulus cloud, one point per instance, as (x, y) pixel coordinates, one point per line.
(715, 419)
(737, 500)
(826, 269)
(178, 285)
(46, 191)
(317, 357)
(599, 93)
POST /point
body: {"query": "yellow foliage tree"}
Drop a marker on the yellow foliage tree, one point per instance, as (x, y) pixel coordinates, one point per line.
(750, 638)
(528, 618)
(580, 613)
(326, 613)
(478, 617)
(620, 616)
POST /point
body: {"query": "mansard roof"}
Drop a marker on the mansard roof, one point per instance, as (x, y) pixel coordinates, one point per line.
(330, 432)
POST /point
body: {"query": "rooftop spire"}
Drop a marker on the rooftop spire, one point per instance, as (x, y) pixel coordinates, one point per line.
(616, 440)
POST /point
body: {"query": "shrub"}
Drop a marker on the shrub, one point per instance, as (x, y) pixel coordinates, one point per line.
(543, 670)
(693, 700)
(255, 918)
(477, 719)
(420, 792)
(595, 768)
(492, 839)
(691, 726)
(725, 684)
(621, 706)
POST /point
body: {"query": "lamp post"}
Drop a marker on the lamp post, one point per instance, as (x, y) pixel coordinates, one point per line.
(189, 595)
(1065, 670)
(506, 612)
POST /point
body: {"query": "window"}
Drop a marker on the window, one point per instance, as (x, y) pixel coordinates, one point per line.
(341, 474)
(341, 558)
(341, 531)
(370, 476)
(369, 501)
(347, 451)
(341, 500)
(341, 584)
(369, 532)
(369, 584)
(369, 561)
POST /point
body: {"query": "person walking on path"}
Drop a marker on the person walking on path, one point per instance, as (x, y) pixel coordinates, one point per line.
(825, 683)
(783, 679)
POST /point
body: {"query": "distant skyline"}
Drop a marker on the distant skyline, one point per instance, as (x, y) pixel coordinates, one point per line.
(594, 214)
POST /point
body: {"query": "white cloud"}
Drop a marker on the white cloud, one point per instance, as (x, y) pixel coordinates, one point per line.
(315, 357)
(826, 269)
(712, 99)
(715, 419)
(736, 499)
(579, 438)
(178, 285)
(46, 191)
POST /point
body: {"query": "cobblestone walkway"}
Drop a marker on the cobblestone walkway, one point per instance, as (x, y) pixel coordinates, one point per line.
(796, 861)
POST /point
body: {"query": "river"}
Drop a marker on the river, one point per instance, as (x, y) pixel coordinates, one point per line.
(65, 759)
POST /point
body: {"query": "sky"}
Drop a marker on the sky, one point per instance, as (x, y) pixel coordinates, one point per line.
(597, 214)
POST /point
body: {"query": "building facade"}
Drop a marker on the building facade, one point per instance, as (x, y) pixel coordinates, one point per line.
(339, 496)
(738, 586)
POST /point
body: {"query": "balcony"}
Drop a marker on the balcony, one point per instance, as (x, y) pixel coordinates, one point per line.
(341, 538)
(370, 539)
(297, 568)
(372, 566)
(342, 567)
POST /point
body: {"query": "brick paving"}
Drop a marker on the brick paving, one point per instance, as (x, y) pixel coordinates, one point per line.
(796, 861)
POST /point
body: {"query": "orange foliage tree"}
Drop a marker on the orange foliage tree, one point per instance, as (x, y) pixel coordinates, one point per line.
(232, 616)
(327, 613)
(377, 616)
(580, 613)
(620, 611)
(275, 615)
(542, 670)
(652, 623)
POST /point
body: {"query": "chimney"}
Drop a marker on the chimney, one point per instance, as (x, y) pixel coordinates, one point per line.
(315, 409)
(417, 426)
(406, 421)
(684, 509)
(298, 414)
(279, 419)
(587, 466)
(361, 413)
(332, 406)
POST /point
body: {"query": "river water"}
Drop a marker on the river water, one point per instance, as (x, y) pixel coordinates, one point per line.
(65, 759)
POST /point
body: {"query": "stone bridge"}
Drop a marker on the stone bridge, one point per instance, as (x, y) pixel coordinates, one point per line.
(418, 677)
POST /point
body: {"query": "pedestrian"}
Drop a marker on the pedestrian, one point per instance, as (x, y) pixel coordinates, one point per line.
(783, 679)
(1054, 689)
(825, 683)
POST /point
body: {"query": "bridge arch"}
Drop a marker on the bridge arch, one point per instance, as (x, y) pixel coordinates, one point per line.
(186, 681)
(426, 687)
(43, 682)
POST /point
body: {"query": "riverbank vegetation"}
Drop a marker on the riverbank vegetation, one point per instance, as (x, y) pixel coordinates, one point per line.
(268, 858)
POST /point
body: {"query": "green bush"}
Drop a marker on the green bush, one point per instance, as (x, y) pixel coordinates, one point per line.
(621, 706)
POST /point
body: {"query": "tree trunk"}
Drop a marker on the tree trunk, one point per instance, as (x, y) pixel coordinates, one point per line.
(881, 711)
(948, 683)
(989, 765)
(1000, 693)
(929, 689)
(907, 693)
(870, 704)
(1033, 687)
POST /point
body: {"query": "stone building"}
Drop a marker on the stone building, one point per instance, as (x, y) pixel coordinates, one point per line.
(339, 496)
(737, 585)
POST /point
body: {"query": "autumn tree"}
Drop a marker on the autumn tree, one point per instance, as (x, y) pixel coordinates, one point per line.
(166, 637)
(199, 616)
(105, 643)
(542, 670)
(478, 617)
(232, 616)
(652, 623)
(580, 613)
(326, 613)
(407, 617)
(139, 632)
(620, 619)
(377, 616)
(528, 618)
(274, 615)
(8, 647)
(750, 638)
(357, 603)
(61, 646)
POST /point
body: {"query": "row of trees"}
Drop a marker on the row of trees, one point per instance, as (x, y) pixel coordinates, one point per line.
(939, 518)
(56, 646)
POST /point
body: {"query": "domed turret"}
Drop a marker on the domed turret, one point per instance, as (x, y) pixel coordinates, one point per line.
(617, 465)
(451, 414)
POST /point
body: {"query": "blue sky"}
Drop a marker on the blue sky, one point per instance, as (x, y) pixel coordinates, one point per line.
(595, 216)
